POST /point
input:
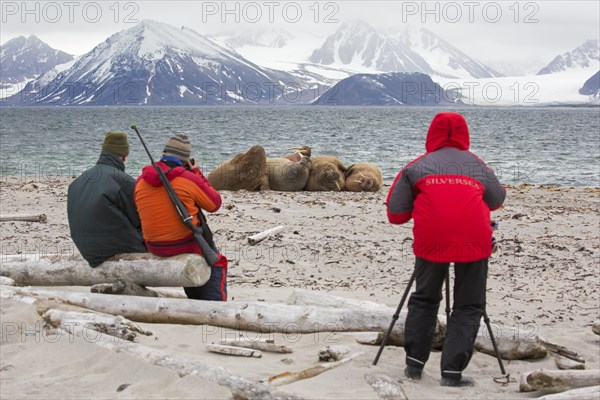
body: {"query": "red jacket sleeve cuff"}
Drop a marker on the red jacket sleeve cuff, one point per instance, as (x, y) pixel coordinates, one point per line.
(398, 219)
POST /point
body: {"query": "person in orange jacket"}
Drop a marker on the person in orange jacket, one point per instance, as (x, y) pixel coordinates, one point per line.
(164, 233)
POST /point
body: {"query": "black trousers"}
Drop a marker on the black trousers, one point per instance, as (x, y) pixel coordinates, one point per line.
(467, 309)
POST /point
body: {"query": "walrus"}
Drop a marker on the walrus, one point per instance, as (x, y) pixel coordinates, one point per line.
(363, 177)
(288, 176)
(245, 171)
(302, 151)
(327, 174)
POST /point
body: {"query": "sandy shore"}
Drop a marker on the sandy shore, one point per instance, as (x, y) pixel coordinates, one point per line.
(544, 279)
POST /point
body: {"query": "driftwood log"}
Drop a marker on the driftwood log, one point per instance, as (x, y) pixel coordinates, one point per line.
(567, 363)
(558, 381)
(513, 344)
(562, 351)
(115, 326)
(586, 393)
(259, 237)
(7, 281)
(291, 377)
(241, 388)
(233, 350)
(23, 217)
(143, 269)
(122, 287)
(257, 345)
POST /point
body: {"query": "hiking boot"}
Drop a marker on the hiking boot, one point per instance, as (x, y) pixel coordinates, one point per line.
(413, 372)
(464, 381)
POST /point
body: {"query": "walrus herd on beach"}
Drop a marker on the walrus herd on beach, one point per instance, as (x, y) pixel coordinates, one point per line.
(294, 172)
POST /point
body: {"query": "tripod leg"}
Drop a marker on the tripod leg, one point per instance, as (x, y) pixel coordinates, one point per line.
(486, 319)
(448, 296)
(395, 317)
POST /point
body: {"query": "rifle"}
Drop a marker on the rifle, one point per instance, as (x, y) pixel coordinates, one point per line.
(209, 254)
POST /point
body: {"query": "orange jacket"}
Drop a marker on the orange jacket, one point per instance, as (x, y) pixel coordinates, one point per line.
(160, 221)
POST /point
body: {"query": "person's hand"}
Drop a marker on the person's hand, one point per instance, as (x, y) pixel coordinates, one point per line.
(192, 164)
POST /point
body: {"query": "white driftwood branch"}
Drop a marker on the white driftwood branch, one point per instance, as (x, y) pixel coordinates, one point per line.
(386, 387)
(291, 377)
(265, 317)
(586, 393)
(558, 381)
(141, 268)
(23, 217)
(333, 353)
(109, 324)
(370, 338)
(596, 327)
(7, 281)
(513, 344)
(233, 350)
(562, 351)
(259, 237)
(566, 363)
(256, 316)
(241, 387)
(257, 345)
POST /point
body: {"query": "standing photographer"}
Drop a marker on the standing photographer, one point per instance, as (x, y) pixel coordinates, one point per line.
(164, 232)
(449, 192)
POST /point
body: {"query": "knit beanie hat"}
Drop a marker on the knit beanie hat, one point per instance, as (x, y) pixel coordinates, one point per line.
(178, 146)
(116, 143)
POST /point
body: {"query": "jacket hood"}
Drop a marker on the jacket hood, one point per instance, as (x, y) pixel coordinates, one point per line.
(448, 130)
(150, 175)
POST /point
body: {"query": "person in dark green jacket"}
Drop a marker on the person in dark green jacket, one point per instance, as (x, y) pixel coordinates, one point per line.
(102, 215)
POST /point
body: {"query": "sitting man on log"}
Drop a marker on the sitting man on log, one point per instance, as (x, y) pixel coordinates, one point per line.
(103, 219)
(164, 232)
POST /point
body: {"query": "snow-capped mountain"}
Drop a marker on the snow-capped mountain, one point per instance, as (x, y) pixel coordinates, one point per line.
(585, 56)
(272, 38)
(22, 59)
(591, 87)
(358, 45)
(157, 64)
(394, 88)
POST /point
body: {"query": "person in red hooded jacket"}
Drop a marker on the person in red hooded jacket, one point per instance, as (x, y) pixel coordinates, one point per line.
(164, 233)
(449, 193)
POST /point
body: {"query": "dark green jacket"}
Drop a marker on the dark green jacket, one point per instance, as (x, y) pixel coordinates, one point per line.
(102, 214)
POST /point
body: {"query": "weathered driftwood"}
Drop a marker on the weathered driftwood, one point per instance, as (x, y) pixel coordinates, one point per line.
(291, 377)
(586, 393)
(233, 350)
(23, 217)
(567, 363)
(142, 268)
(257, 345)
(558, 381)
(242, 388)
(513, 344)
(120, 286)
(259, 237)
(333, 353)
(257, 316)
(524, 386)
(596, 327)
(7, 281)
(115, 326)
(301, 297)
(386, 387)
(370, 338)
(562, 351)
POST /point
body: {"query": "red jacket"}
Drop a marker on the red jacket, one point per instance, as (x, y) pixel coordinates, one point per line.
(160, 221)
(449, 193)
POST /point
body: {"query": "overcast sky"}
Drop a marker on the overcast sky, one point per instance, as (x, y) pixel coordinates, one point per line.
(510, 31)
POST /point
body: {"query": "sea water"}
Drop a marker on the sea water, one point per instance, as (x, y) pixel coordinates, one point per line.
(557, 146)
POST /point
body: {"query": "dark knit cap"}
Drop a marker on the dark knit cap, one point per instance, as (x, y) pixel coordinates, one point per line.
(116, 143)
(178, 146)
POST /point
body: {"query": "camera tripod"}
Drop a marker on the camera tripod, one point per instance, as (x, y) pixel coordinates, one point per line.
(486, 320)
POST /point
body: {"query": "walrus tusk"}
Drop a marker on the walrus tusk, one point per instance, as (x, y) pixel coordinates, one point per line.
(338, 186)
(361, 174)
